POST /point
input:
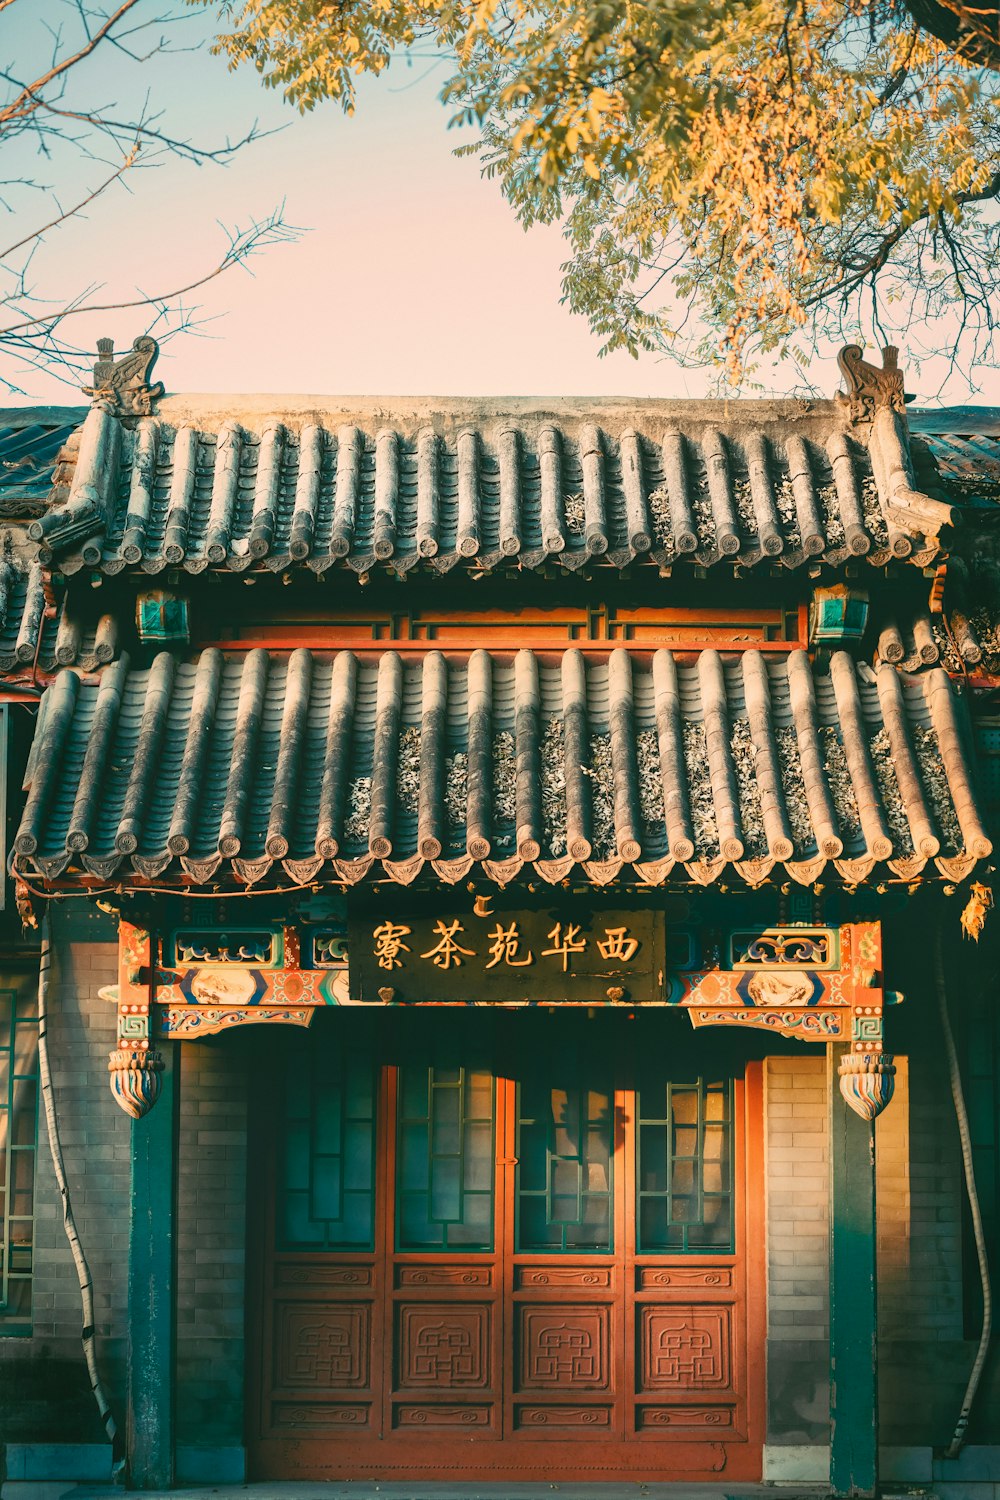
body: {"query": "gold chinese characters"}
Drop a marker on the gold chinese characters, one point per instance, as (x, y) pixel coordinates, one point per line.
(505, 945)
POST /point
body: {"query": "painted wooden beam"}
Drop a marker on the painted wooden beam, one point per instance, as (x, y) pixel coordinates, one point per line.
(152, 1287)
(853, 1360)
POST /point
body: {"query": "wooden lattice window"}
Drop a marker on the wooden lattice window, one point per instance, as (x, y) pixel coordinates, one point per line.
(684, 1176)
(444, 1184)
(18, 1152)
(327, 1196)
(565, 1152)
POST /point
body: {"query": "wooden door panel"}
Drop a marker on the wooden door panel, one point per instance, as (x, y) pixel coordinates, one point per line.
(565, 1327)
(324, 1365)
(574, 1280)
(411, 1277)
(564, 1366)
(445, 1366)
(564, 1349)
(685, 1348)
(433, 1360)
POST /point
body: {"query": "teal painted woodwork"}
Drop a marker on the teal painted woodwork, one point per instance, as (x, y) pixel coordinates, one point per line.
(837, 614)
(684, 1150)
(152, 1287)
(565, 1152)
(254, 947)
(853, 1358)
(18, 1151)
(161, 616)
(445, 1161)
(326, 1193)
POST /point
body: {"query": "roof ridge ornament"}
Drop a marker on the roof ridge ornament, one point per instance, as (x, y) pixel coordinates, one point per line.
(122, 385)
(869, 389)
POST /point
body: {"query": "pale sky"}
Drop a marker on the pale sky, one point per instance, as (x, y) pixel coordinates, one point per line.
(413, 276)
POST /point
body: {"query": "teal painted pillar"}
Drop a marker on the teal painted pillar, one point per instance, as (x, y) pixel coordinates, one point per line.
(152, 1286)
(853, 1349)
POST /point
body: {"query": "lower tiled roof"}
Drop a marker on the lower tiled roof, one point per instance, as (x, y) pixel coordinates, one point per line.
(40, 633)
(307, 768)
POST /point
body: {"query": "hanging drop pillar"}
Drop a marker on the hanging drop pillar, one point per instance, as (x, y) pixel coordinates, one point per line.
(853, 1357)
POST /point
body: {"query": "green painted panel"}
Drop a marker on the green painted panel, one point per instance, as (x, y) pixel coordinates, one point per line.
(326, 1190)
(152, 1287)
(684, 1148)
(565, 1135)
(853, 1331)
(444, 1176)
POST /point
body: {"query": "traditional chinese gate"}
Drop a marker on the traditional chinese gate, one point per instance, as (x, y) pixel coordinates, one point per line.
(510, 1243)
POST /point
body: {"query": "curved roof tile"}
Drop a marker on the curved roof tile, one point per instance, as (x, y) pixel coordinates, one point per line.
(334, 768)
(455, 487)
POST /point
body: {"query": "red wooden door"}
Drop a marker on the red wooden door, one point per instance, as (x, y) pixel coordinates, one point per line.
(510, 1244)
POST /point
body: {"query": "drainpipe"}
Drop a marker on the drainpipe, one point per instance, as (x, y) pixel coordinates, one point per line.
(957, 1443)
(59, 1166)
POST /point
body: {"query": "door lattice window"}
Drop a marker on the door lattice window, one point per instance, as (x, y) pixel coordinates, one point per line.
(18, 1149)
(565, 1150)
(684, 1167)
(327, 1197)
(444, 1187)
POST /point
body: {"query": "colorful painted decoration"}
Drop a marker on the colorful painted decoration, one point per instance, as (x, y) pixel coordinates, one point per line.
(867, 1082)
(135, 1081)
(813, 983)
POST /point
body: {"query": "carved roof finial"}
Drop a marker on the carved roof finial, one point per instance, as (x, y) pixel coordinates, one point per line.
(868, 387)
(123, 384)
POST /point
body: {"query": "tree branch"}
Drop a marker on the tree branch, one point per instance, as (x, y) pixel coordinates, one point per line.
(243, 243)
(71, 213)
(30, 91)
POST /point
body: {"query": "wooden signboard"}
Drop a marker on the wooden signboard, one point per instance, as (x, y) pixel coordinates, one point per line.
(557, 956)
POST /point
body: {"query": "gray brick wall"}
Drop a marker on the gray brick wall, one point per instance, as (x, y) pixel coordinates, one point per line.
(924, 1358)
(211, 1242)
(44, 1389)
(797, 1248)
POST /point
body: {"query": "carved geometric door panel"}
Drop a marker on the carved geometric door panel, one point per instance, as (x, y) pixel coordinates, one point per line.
(505, 1244)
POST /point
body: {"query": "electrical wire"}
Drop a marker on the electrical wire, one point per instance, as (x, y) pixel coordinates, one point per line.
(87, 1334)
(957, 1443)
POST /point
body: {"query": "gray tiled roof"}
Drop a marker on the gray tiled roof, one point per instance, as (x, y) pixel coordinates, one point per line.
(480, 487)
(30, 443)
(73, 630)
(308, 768)
(968, 466)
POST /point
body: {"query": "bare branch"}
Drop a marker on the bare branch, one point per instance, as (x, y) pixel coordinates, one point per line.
(71, 213)
(29, 93)
(243, 243)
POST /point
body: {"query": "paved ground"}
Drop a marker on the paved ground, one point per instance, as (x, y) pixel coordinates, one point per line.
(371, 1490)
